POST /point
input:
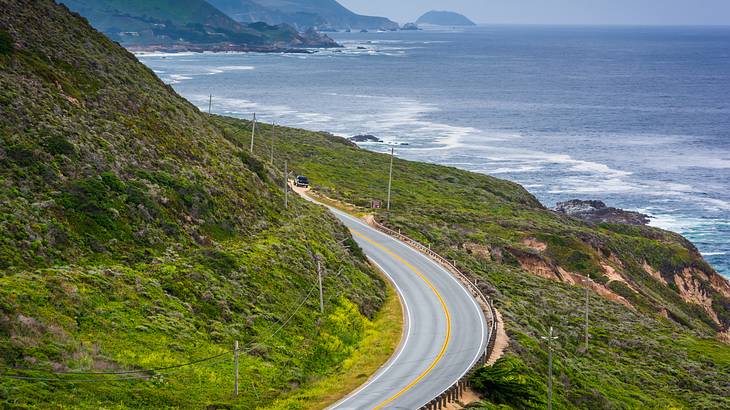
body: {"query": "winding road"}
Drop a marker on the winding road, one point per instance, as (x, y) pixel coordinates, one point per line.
(445, 331)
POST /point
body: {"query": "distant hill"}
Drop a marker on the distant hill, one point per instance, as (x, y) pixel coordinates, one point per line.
(185, 24)
(304, 14)
(444, 18)
(247, 11)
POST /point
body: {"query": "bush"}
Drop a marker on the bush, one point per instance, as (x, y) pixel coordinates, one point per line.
(6, 42)
(58, 145)
(509, 381)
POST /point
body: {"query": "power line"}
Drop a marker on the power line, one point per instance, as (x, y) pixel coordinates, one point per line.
(158, 369)
(98, 380)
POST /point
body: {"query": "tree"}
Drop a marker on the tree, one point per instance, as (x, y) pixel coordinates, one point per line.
(509, 381)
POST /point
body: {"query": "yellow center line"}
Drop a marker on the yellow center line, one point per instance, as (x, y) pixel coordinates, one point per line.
(443, 305)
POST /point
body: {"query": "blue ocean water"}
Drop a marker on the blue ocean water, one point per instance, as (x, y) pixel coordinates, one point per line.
(636, 116)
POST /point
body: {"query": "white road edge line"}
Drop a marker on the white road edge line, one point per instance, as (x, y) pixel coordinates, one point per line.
(393, 359)
(480, 314)
(449, 274)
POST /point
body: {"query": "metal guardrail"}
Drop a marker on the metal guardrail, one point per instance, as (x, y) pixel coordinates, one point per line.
(454, 392)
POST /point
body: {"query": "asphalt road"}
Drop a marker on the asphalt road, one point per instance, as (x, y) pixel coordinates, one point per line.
(445, 332)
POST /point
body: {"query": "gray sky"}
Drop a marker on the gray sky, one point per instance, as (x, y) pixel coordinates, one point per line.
(651, 12)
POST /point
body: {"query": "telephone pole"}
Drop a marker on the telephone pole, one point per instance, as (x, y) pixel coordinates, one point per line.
(550, 339)
(286, 185)
(235, 361)
(390, 175)
(587, 307)
(321, 293)
(210, 103)
(273, 132)
(253, 131)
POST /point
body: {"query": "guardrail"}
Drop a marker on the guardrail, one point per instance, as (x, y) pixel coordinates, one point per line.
(454, 392)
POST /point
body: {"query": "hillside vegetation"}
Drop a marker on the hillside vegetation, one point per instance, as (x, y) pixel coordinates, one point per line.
(658, 310)
(186, 24)
(134, 235)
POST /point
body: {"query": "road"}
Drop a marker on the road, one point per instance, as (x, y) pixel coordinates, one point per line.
(444, 335)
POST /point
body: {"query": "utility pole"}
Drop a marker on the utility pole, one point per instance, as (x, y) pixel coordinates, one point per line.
(550, 339)
(321, 293)
(210, 104)
(390, 175)
(286, 185)
(587, 306)
(273, 132)
(235, 361)
(253, 131)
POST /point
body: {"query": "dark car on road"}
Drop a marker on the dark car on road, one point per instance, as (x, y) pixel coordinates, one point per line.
(301, 181)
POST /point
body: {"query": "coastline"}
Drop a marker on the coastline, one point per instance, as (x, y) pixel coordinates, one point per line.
(217, 48)
(557, 159)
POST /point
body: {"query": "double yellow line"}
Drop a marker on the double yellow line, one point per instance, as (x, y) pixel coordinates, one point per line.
(443, 306)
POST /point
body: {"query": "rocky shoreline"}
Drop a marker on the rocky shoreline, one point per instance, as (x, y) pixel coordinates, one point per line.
(216, 48)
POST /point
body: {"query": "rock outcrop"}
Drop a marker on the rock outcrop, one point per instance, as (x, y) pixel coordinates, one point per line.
(597, 212)
(365, 138)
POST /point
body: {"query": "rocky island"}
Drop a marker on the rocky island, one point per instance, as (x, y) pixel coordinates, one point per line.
(444, 18)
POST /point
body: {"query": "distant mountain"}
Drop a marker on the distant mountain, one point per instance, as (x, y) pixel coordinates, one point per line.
(444, 18)
(247, 11)
(186, 24)
(303, 14)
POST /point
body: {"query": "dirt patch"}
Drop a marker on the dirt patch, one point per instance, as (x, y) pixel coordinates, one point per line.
(724, 336)
(534, 244)
(480, 251)
(691, 290)
(720, 284)
(614, 275)
(653, 272)
(469, 397)
(314, 196)
(501, 340)
(537, 266)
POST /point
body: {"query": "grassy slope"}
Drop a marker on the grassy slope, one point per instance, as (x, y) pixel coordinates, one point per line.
(382, 337)
(637, 359)
(134, 235)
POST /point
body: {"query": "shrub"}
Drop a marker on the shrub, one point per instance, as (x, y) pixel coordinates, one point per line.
(6, 42)
(58, 145)
(509, 381)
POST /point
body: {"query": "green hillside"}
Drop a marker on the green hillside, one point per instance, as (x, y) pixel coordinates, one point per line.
(136, 241)
(145, 23)
(658, 311)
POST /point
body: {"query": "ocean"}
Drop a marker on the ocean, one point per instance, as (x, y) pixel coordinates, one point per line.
(638, 117)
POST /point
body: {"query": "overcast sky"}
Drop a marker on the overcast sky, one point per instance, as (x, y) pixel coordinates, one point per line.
(666, 12)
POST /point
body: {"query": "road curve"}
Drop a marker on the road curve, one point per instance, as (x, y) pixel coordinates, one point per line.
(445, 330)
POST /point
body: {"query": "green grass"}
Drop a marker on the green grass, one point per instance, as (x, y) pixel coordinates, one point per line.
(637, 358)
(134, 236)
(382, 337)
